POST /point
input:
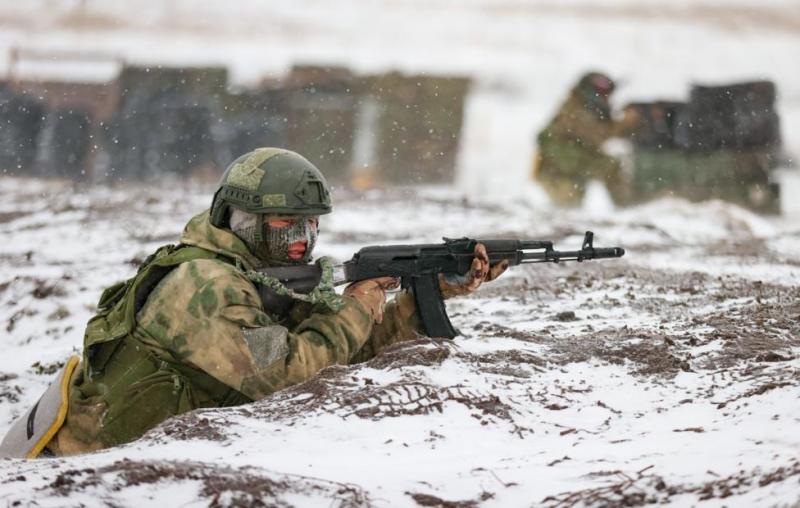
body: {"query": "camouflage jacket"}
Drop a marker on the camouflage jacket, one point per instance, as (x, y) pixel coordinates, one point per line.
(201, 338)
(579, 123)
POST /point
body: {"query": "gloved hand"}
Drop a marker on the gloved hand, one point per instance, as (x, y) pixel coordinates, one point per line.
(479, 272)
(371, 293)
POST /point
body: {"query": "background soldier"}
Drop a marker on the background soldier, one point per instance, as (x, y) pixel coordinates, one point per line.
(569, 152)
(190, 330)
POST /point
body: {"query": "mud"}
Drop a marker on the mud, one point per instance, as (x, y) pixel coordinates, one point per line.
(513, 363)
(429, 500)
(218, 485)
(11, 216)
(9, 391)
(337, 392)
(47, 369)
(646, 487)
(422, 352)
(195, 428)
(342, 391)
(46, 289)
(759, 322)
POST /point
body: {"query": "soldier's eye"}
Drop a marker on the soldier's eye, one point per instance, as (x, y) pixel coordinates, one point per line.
(279, 223)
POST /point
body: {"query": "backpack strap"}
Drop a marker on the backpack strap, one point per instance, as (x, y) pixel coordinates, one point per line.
(119, 303)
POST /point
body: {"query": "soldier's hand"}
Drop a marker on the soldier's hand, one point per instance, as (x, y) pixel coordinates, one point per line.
(631, 118)
(480, 272)
(371, 293)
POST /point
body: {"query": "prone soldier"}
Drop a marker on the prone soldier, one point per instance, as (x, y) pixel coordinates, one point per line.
(190, 329)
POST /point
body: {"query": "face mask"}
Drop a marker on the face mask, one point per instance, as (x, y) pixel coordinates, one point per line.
(273, 247)
(278, 240)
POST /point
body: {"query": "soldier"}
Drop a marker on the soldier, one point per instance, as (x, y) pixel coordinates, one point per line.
(570, 151)
(190, 329)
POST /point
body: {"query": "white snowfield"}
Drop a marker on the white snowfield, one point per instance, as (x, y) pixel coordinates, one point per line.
(523, 55)
(668, 376)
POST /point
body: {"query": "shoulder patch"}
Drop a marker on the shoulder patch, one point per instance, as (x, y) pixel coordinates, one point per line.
(267, 344)
(273, 200)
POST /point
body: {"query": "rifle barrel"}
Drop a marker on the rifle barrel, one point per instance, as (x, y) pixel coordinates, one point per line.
(554, 256)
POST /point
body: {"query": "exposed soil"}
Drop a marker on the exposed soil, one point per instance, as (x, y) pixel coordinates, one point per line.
(430, 500)
(645, 487)
(219, 485)
(684, 341)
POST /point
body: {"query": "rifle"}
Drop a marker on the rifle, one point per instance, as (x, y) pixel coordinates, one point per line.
(419, 266)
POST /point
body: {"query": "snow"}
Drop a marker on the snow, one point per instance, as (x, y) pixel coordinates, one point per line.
(669, 376)
(523, 55)
(565, 405)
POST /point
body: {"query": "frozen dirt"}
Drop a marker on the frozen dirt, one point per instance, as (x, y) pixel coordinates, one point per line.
(668, 376)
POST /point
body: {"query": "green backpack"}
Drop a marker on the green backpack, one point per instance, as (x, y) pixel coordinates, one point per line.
(126, 385)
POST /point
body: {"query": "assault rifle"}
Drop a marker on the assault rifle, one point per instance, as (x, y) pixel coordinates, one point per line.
(419, 266)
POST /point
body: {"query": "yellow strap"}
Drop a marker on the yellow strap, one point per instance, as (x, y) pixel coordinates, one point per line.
(62, 411)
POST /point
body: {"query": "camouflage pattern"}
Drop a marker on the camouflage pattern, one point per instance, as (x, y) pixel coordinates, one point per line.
(570, 147)
(202, 339)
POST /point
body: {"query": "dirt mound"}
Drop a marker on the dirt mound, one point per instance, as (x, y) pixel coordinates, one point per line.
(216, 485)
(645, 487)
(350, 392)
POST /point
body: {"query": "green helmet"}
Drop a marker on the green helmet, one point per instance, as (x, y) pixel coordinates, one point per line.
(597, 83)
(271, 181)
(594, 90)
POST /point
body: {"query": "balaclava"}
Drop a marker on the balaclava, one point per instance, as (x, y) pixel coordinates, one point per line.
(273, 249)
(595, 89)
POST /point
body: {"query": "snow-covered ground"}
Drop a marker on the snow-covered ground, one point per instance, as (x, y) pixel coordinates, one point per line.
(670, 375)
(523, 54)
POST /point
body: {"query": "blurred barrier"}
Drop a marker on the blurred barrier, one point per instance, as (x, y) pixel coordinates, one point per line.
(151, 121)
(319, 104)
(789, 181)
(418, 125)
(21, 122)
(723, 143)
(65, 145)
(164, 122)
(739, 116)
